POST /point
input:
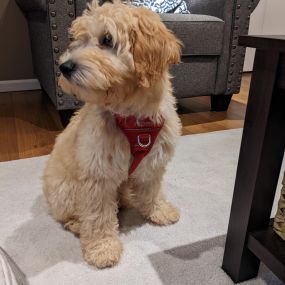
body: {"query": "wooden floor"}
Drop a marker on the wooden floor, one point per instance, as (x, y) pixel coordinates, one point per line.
(29, 123)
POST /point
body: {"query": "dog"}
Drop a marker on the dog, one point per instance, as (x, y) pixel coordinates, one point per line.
(118, 64)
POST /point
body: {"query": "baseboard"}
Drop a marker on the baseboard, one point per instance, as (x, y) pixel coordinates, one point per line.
(19, 85)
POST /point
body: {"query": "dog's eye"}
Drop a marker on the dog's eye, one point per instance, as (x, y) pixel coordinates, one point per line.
(107, 41)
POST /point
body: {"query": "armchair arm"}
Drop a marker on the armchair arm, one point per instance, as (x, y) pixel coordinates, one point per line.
(49, 21)
(32, 5)
(230, 65)
(236, 14)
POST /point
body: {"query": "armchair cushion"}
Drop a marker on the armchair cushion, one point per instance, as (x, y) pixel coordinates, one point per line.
(200, 34)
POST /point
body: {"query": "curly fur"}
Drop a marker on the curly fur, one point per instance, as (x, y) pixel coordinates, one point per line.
(86, 176)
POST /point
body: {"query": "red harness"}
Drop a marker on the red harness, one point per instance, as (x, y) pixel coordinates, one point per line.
(141, 135)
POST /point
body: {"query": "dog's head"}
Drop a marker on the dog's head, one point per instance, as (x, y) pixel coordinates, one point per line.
(113, 46)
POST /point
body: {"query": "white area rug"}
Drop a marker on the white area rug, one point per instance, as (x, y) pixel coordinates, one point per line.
(199, 181)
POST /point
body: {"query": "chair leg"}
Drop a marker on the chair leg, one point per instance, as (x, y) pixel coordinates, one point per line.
(65, 116)
(220, 103)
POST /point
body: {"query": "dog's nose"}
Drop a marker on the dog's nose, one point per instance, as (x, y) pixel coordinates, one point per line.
(67, 68)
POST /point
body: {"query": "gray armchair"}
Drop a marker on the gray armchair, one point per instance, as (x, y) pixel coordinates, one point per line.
(212, 62)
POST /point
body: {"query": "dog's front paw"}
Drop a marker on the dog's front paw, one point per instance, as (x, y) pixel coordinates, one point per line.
(103, 253)
(164, 214)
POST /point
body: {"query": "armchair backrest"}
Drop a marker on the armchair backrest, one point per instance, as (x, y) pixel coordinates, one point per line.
(207, 7)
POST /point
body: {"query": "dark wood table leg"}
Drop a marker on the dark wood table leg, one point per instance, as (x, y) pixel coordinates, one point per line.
(259, 166)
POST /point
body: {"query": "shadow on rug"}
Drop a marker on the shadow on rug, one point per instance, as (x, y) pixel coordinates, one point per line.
(196, 263)
(41, 242)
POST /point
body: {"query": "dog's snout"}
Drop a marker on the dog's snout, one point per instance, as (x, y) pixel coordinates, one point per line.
(67, 68)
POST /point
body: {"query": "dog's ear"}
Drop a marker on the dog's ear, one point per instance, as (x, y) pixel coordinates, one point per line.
(154, 47)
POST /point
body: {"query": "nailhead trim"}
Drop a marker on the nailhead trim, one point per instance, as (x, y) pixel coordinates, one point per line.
(59, 34)
(240, 26)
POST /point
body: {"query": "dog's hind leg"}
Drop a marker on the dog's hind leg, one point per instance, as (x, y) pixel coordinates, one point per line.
(73, 225)
(61, 198)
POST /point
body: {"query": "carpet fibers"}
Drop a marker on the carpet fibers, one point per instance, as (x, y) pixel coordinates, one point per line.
(200, 181)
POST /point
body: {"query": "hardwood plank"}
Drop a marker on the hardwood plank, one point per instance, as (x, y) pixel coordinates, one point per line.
(242, 97)
(29, 122)
(8, 136)
(207, 121)
(36, 128)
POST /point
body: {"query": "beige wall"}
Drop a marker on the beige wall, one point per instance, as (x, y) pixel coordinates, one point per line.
(15, 53)
(267, 19)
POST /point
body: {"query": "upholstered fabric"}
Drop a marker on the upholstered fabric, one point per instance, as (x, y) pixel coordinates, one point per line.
(42, 52)
(80, 5)
(212, 60)
(195, 76)
(32, 5)
(200, 34)
(230, 66)
(207, 7)
(59, 25)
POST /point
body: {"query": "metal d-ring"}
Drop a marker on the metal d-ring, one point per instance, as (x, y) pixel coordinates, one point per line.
(144, 145)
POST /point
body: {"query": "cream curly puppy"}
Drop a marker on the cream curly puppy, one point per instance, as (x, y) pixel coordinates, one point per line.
(118, 64)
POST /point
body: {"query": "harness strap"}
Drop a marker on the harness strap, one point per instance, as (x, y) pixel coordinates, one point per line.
(141, 135)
